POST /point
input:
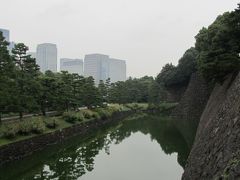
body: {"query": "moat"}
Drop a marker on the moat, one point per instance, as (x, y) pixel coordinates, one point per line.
(144, 147)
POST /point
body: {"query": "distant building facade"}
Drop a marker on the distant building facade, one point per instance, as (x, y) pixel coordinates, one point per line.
(72, 65)
(46, 57)
(97, 66)
(101, 67)
(117, 70)
(6, 34)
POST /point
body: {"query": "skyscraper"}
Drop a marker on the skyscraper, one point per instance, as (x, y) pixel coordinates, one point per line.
(6, 35)
(72, 65)
(46, 57)
(97, 66)
(117, 70)
(101, 67)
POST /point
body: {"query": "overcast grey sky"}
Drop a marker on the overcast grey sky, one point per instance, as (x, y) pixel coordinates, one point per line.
(146, 33)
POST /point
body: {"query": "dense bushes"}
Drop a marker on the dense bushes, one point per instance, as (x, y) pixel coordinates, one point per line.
(162, 107)
(73, 117)
(179, 75)
(51, 123)
(88, 114)
(25, 127)
(219, 47)
(10, 130)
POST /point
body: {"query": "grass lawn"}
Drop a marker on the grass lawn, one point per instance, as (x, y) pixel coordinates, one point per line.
(61, 122)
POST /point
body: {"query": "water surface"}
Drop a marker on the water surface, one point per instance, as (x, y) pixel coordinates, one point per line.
(147, 147)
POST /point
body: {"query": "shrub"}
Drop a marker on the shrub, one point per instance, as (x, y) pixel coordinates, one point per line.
(38, 126)
(25, 127)
(10, 131)
(80, 116)
(96, 115)
(70, 117)
(51, 123)
(103, 113)
(88, 114)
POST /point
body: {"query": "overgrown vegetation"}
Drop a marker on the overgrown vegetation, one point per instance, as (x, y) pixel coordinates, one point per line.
(38, 125)
(216, 53)
(219, 46)
(29, 126)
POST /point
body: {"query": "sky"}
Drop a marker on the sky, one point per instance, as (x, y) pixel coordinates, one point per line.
(146, 33)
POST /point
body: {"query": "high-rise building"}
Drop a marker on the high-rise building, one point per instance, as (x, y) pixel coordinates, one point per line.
(72, 65)
(117, 70)
(6, 34)
(46, 57)
(101, 67)
(97, 66)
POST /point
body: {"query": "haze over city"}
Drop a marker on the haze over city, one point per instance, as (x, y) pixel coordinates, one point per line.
(146, 33)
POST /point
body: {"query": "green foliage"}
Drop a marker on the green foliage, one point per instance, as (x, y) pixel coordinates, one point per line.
(6, 76)
(70, 117)
(25, 127)
(179, 75)
(163, 107)
(38, 126)
(137, 106)
(26, 84)
(88, 114)
(92, 98)
(104, 112)
(51, 123)
(10, 130)
(73, 117)
(219, 47)
(132, 90)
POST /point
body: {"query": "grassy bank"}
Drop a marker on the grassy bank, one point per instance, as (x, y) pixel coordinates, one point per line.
(19, 130)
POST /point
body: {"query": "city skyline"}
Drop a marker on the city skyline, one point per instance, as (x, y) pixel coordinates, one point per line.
(46, 57)
(102, 67)
(139, 31)
(72, 65)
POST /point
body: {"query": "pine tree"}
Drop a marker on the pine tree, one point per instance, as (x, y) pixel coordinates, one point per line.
(6, 76)
(27, 86)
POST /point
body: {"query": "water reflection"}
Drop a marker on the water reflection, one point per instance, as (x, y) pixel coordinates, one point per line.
(75, 157)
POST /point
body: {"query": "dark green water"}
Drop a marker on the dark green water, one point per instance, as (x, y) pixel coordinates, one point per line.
(144, 148)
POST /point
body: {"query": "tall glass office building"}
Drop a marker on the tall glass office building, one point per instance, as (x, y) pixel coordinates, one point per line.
(46, 57)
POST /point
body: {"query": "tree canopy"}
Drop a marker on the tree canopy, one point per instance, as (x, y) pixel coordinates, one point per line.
(219, 47)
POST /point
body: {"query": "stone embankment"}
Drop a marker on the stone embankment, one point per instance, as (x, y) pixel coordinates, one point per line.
(215, 153)
(18, 150)
(188, 112)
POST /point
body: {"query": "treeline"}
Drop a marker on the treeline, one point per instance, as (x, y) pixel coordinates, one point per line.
(216, 54)
(24, 89)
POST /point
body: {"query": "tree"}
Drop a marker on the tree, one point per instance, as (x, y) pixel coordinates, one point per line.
(6, 76)
(219, 47)
(27, 86)
(102, 88)
(91, 95)
(174, 76)
(48, 90)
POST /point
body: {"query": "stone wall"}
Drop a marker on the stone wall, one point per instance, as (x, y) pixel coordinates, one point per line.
(218, 135)
(174, 94)
(23, 148)
(193, 100)
(191, 106)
